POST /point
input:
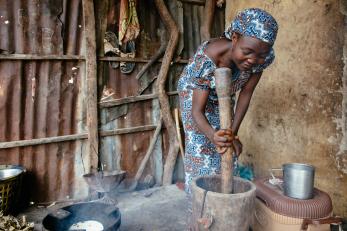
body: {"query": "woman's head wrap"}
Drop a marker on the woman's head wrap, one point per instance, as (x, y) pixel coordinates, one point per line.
(257, 23)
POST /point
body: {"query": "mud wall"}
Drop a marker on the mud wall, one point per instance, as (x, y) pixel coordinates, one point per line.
(298, 111)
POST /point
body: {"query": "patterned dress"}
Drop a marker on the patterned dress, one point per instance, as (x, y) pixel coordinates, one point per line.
(201, 157)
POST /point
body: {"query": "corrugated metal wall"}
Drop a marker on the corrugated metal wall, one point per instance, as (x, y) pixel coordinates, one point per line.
(42, 98)
(45, 98)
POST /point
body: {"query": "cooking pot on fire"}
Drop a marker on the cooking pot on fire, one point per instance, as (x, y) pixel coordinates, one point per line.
(298, 180)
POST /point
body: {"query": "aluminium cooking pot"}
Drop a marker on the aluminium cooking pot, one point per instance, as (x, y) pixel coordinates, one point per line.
(298, 180)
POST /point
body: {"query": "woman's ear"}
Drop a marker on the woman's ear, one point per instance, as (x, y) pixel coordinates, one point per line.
(235, 37)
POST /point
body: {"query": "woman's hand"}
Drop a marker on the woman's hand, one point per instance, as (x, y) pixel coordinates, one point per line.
(237, 146)
(223, 139)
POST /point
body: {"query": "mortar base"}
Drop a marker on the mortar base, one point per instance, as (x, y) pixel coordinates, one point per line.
(213, 210)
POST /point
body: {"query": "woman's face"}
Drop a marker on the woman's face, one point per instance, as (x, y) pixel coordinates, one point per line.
(248, 51)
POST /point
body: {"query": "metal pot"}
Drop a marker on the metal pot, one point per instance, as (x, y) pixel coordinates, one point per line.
(298, 180)
(10, 171)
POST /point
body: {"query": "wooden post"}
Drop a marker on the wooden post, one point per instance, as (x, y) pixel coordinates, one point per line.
(205, 31)
(172, 29)
(146, 157)
(223, 86)
(91, 76)
(177, 121)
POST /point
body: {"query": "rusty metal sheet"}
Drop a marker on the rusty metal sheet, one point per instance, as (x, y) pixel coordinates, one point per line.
(46, 98)
(41, 26)
(43, 98)
(40, 99)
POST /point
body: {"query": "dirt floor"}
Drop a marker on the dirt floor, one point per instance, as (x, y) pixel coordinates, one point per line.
(161, 208)
(155, 209)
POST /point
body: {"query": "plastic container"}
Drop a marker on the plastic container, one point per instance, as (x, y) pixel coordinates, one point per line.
(266, 219)
(274, 211)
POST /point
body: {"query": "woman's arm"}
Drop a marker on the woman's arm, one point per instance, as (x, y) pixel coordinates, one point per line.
(221, 138)
(243, 101)
(242, 107)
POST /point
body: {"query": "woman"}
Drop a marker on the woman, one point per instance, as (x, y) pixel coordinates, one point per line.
(246, 48)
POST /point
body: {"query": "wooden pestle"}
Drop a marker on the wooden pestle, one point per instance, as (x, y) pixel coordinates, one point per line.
(223, 87)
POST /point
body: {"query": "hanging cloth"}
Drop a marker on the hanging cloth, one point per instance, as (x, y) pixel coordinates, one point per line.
(129, 26)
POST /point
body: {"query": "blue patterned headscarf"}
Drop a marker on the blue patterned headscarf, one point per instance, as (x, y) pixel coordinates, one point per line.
(257, 23)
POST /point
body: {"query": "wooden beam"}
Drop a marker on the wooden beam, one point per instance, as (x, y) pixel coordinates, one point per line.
(91, 76)
(81, 57)
(40, 57)
(137, 60)
(47, 140)
(131, 99)
(121, 131)
(146, 157)
(73, 137)
(126, 100)
(178, 129)
(195, 2)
